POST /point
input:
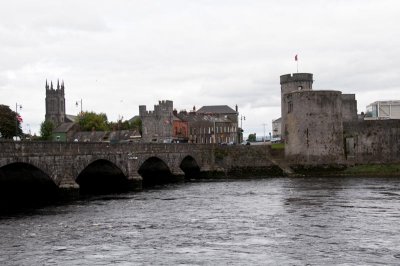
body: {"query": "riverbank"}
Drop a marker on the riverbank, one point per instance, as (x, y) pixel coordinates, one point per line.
(344, 170)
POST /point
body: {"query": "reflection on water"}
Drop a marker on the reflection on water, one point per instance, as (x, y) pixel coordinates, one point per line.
(279, 221)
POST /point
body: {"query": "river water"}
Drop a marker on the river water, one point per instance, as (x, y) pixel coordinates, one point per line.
(277, 221)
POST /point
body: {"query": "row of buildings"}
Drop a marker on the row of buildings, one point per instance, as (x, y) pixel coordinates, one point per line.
(164, 124)
(209, 124)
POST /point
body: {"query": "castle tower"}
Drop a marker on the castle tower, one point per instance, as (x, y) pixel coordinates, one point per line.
(157, 125)
(290, 83)
(55, 103)
(314, 127)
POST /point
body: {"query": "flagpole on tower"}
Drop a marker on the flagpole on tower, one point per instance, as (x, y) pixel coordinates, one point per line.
(297, 62)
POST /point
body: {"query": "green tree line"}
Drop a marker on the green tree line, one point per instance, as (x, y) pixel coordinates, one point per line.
(91, 121)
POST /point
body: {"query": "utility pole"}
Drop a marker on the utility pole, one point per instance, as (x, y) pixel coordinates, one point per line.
(77, 104)
(242, 117)
(264, 130)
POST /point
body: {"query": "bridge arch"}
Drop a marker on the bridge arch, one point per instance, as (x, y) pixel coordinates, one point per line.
(102, 176)
(24, 184)
(190, 167)
(155, 171)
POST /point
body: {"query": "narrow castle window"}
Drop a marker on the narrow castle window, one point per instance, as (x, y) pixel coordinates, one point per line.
(290, 107)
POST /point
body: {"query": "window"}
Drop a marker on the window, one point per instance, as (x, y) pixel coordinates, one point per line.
(290, 107)
(299, 88)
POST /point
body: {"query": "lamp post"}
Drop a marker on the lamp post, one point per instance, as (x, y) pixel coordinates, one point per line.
(79, 103)
(17, 119)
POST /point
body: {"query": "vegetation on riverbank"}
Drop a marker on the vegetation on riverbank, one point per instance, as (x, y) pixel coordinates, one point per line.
(278, 146)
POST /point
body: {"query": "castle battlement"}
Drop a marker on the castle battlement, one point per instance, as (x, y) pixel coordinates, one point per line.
(296, 77)
(164, 108)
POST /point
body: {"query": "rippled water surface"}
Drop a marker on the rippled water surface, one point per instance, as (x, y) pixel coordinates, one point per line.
(280, 221)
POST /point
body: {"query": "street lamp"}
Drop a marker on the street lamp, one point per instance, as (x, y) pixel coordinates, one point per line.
(79, 103)
(17, 118)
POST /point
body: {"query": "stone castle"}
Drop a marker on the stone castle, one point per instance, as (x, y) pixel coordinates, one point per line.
(322, 126)
(157, 124)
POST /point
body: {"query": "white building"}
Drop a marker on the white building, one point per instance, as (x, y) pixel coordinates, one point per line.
(383, 110)
(276, 128)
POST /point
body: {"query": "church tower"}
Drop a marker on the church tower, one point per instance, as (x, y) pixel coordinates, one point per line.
(55, 103)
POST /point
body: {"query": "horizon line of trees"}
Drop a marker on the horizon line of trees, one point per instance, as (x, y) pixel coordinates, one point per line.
(10, 125)
(91, 121)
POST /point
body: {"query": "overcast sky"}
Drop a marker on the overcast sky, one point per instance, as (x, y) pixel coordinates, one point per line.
(116, 55)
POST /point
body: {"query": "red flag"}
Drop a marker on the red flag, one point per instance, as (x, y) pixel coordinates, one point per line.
(295, 57)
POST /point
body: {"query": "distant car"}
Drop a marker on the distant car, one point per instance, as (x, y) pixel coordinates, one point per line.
(276, 140)
(245, 143)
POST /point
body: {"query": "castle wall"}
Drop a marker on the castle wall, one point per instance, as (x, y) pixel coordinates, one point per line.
(372, 141)
(313, 127)
(349, 107)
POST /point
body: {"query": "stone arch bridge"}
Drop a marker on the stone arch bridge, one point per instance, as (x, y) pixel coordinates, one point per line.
(77, 165)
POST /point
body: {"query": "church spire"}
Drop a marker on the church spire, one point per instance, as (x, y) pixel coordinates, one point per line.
(51, 85)
(58, 84)
(47, 85)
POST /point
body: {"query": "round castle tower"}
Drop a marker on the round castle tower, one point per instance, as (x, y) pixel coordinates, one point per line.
(290, 83)
(314, 128)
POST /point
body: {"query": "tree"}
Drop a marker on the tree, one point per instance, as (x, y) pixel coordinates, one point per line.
(137, 124)
(9, 124)
(252, 137)
(89, 121)
(46, 130)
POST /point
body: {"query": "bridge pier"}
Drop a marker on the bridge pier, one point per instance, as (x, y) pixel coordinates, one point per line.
(68, 190)
(135, 182)
(177, 172)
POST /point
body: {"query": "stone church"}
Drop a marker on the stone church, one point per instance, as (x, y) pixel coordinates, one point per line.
(55, 112)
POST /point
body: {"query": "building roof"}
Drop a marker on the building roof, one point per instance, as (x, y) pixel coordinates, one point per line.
(70, 118)
(278, 120)
(203, 118)
(392, 102)
(99, 136)
(64, 127)
(216, 109)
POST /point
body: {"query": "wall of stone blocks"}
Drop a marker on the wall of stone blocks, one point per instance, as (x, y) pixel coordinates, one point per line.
(375, 141)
